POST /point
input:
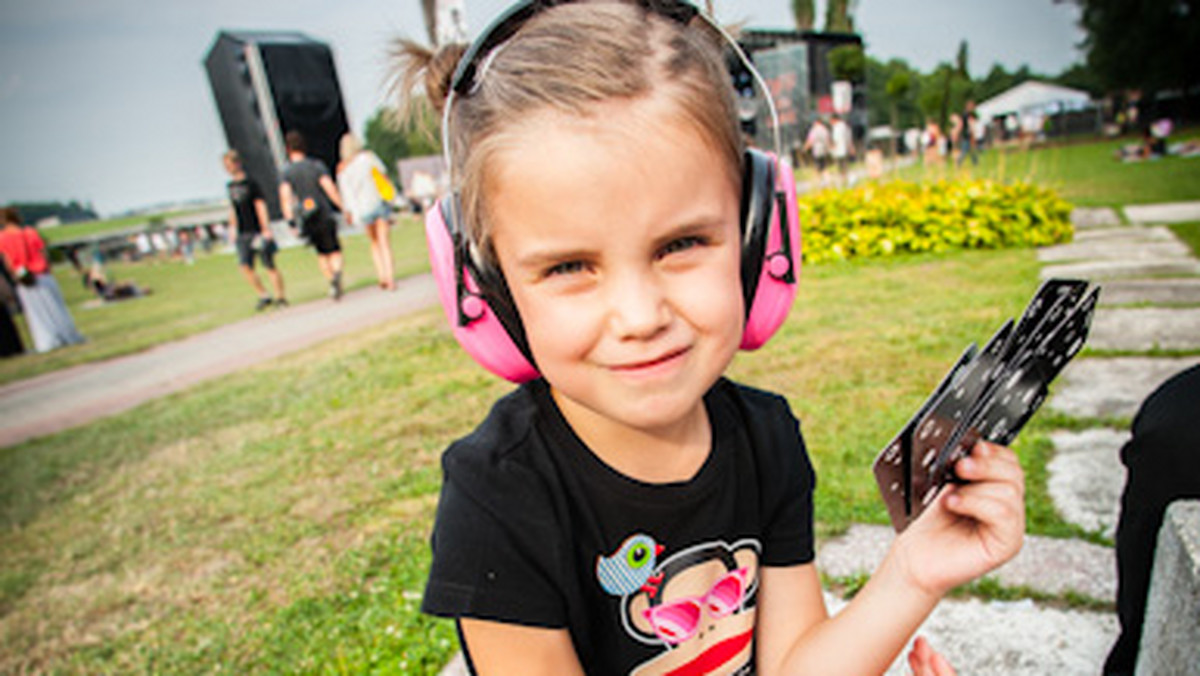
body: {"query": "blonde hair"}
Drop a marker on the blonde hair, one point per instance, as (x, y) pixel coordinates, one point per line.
(569, 58)
(349, 146)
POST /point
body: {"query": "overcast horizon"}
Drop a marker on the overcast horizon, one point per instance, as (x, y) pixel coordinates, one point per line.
(107, 102)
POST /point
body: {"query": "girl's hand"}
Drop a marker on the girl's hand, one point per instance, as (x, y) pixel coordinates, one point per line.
(969, 529)
(925, 661)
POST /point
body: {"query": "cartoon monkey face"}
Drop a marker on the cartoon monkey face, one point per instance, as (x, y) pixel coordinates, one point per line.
(702, 611)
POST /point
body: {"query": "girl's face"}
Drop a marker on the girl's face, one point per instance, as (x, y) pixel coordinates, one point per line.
(619, 238)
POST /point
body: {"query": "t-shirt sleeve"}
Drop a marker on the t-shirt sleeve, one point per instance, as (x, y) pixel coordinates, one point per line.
(788, 482)
(496, 550)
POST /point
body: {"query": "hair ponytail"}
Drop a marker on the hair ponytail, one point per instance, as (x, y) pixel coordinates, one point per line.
(418, 64)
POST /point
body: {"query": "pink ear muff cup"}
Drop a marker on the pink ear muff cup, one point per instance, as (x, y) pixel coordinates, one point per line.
(485, 338)
(774, 296)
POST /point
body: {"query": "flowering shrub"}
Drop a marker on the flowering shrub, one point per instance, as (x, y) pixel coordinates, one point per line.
(880, 219)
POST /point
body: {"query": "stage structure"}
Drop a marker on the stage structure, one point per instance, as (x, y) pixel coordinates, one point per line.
(266, 84)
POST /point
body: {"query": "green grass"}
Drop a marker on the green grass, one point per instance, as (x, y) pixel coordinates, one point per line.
(1087, 173)
(191, 299)
(277, 520)
(1190, 234)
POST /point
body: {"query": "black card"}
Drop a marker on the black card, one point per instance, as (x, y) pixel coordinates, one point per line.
(988, 395)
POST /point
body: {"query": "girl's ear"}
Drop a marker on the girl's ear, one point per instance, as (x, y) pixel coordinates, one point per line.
(636, 608)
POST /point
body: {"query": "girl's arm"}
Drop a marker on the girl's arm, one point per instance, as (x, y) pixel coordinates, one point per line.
(502, 648)
(968, 531)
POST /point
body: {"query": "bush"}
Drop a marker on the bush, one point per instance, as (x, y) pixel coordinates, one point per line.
(881, 219)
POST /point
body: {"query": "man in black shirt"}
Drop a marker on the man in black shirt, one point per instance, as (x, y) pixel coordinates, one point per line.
(248, 221)
(309, 199)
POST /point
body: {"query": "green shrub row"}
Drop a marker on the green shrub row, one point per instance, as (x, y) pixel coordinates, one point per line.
(881, 219)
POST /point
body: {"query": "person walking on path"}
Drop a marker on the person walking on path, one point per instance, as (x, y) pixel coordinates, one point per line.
(362, 182)
(46, 312)
(248, 223)
(309, 197)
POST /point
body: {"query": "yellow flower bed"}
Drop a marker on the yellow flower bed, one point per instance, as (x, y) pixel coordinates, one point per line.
(881, 219)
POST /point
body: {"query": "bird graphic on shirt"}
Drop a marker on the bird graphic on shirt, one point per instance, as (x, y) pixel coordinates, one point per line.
(630, 567)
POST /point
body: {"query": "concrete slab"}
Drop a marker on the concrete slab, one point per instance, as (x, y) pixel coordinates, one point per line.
(1094, 217)
(1147, 233)
(1171, 636)
(1050, 565)
(1111, 269)
(1086, 477)
(1140, 329)
(1018, 638)
(1168, 212)
(1124, 244)
(1114, 387)
(1169, 291)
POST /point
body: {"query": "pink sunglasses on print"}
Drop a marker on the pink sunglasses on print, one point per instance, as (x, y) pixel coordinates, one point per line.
(678, 621)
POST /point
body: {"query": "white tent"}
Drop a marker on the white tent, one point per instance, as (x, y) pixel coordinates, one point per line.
(1034, 99)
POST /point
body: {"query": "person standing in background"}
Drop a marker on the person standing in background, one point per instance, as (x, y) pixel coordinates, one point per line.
(10, 337)
(24, 251)
(843, 146)
(309, 198)
(248, 221)
(362, 181)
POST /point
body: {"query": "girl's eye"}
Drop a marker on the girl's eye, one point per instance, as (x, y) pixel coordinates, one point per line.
(680, 244)
(565, 268)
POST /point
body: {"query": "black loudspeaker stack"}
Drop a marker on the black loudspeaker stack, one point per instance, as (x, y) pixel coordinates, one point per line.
(269, 83)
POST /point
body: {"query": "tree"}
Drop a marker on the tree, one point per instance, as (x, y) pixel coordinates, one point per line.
(805, 12)
(393, 139)
(1138, 44)
(848, 62)
(837, 17)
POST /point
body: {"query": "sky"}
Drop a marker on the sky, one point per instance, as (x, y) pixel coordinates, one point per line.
(107, 101)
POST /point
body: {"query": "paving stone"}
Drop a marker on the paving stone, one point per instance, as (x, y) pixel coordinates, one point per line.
(1021, 638)
(1176, 291)
(1086, 477)
(1097, 217)
(1109, 269)
(1123, 244)
(1111, 387)
(1049, 565)
(1171, 212)
(1141, 329)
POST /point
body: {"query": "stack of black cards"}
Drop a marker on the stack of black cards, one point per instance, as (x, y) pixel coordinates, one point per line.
(989, 394)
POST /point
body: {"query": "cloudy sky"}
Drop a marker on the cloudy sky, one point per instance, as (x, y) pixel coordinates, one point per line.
(106, 101)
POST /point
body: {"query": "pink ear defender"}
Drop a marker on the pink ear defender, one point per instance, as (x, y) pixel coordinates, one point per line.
(476, 327)
(491, 332)
(777, 264)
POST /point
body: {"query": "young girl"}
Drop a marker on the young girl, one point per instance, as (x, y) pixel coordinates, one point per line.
(630, 510)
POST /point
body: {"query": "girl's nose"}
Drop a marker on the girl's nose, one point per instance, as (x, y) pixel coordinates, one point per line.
(638, 308)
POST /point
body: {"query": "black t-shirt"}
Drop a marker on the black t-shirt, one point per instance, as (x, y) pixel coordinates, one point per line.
(305, 178)
(532, 528)
(242, 194)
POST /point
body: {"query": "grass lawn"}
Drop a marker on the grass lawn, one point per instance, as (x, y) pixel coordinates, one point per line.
(1189, 233)
(277, 520)
(1087, 173)
(191, 299)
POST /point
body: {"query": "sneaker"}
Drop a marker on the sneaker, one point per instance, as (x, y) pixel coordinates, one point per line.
(336, 286)
(282, 302)
(262, 304)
